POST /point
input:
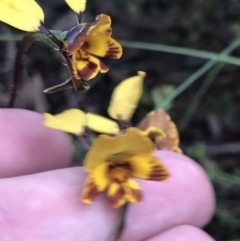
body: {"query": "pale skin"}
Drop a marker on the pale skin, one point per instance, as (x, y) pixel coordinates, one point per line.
(41, 198)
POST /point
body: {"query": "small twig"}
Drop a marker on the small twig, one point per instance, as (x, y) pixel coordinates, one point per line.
(119, 226)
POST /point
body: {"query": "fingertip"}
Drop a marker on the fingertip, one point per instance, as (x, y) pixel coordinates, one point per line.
(27, 147)
(199, 189)
(187, 197)
(182, 233)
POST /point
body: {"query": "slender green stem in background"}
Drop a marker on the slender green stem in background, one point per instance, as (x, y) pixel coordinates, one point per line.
(199, 96)
(191, 79)
(223, 177)
(155, 47)
(13, 37)
(181, 51)
(119, 226)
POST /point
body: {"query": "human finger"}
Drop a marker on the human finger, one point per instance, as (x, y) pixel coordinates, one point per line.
(26, 146)
(50, 202)
(182, 233)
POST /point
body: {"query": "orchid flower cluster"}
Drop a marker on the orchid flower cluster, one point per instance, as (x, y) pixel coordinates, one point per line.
(120, 153)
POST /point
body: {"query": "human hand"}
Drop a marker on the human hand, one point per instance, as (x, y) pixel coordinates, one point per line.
(42, 202)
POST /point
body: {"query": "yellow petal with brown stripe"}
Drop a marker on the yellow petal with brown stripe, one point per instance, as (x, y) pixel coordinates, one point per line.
(116, 194)
(148, 167)
(87, 69)
(96, 182)
(103, 46)
(133, 191)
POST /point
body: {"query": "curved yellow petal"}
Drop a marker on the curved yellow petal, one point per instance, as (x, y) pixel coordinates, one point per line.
(133, 142)
(71, 121)
(77, 35)
(133, 191)
(177, 149)
(101, 124)
(121, 193)
(161, 122)
(103, 46)
(25, 14)
(77, 5)
(145, 166)
(102, 26)
(116, 194)
(86, 67)
(153, 132)
(125, 97)
(95, 183)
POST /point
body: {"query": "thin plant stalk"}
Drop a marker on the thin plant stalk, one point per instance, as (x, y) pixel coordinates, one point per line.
(119, 226)
(18, 66)
(180, 51)
(196, 75)
(199, 96)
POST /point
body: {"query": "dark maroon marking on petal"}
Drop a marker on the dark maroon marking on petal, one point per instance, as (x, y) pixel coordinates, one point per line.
(86, 46)
(103, 67)
(79, 56)
(113, 50)
(117, 196)
(119, 173)
(112, 54)
(137, 194)
(108, 31)
(88, 70)
(158, 174)
(92, 191)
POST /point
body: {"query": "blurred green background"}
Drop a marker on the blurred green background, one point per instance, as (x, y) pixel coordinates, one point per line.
(206, 106)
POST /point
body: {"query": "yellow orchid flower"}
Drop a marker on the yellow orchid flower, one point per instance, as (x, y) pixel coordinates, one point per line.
(158, 126)
(88, 40)
(25, 15)
(112, 162)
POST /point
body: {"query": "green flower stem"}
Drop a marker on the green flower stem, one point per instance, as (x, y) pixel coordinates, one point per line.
(119, 226)
(191, 79)
(181, 51)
